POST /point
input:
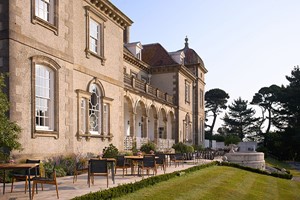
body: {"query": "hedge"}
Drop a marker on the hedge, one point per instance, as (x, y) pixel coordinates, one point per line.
(132, 187)
(124, 189)
(259, 171)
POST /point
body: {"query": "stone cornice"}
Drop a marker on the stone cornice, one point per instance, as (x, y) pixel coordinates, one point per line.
(174, 68)
(199, 65)
(135, 61)
(112, 12)
(187, 72)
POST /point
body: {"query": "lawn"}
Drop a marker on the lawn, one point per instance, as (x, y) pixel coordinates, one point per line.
(220, 182)
(276, 163)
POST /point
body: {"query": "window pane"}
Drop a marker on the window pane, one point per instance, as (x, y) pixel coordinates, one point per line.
(44, 101)
(94, 110)
(94, 36)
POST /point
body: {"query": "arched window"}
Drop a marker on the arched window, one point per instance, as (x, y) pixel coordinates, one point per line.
(95, 110)
(45, 96)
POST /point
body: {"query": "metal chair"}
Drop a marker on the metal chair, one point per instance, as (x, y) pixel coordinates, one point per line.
(45, 180)
(121, 163)
(97, 168)
(147, 164)
(80, 168)
(161, 161)
(23, 176)
(178, 158)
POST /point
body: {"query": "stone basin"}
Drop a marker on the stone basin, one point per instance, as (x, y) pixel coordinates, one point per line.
(249, 159)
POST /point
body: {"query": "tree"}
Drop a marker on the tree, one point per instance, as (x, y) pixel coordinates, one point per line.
(215, 103)
(290, 98)
(9, 131)
(240, 119)
(267, 98)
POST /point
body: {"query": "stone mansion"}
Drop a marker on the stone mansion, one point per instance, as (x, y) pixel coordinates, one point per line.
(76, 82)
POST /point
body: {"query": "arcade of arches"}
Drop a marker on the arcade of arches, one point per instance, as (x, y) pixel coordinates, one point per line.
(146, 120)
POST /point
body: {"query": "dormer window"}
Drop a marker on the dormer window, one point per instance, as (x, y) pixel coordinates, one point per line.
(139, 55)
(136, 49)
(178, 56)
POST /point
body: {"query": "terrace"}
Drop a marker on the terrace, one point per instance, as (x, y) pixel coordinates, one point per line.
(68, 190)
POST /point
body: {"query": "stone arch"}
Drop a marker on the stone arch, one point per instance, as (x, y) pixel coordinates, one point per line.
(162, 123)
(97, 82)
(140, 118)
(128, 115)
(152, 122)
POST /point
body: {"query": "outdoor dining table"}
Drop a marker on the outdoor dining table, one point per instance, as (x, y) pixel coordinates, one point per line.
(168, 159)
(112, 162)
(135, 159)
(23, 166)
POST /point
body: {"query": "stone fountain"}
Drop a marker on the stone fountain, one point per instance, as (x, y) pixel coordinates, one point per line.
(249, 158)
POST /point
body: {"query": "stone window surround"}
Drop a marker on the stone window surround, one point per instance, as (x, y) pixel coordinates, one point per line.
(187, 91)
(82, 94)
(37, 20)
(48, 62)
(97, 17)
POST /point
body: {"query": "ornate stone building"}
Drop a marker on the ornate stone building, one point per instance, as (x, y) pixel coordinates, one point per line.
(76, 83)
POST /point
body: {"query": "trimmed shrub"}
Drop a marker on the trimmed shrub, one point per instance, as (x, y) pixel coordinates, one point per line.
(110, 152)
(150, 146)
(122, 190)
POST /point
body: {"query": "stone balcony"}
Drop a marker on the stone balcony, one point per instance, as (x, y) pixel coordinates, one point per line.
(133, 83)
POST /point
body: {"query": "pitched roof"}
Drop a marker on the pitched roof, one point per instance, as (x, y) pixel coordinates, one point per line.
(156, 55)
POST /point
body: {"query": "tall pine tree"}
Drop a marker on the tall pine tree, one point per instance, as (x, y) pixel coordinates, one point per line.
(240, 120)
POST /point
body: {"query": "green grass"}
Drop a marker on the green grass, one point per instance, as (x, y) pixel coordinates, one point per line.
(220, 182)
(275, 163)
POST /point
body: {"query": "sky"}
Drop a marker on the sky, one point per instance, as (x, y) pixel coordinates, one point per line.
(245, 44)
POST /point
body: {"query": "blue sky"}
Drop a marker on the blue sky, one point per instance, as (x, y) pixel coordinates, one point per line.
(245, 44)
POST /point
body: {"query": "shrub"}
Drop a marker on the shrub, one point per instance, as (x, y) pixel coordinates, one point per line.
(68, 163)
(180, 147)
(9, 131)
(198, 147)
(148, 147)
(110, 152)
(124, 189)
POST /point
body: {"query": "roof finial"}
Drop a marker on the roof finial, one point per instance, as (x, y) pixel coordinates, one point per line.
(186, 42)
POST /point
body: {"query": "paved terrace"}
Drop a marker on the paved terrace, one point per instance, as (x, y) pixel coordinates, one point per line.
(68, 190)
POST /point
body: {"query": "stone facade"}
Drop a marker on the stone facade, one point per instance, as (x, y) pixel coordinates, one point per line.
(137, 101)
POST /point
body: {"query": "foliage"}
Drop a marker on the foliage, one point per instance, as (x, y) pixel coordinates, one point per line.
(9, 131)
(215, 102)
(268, 99)
(198, 147)
(150, 146)
(182, 148)
(68, 163)
(124, 189)
(231, 139)
(240, 119)
(110, 152)
(218, 137)
(259, 171)
(47, 167)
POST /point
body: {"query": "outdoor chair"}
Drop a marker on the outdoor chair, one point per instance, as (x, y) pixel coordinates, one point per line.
(161, 161)
(121, 163)
(97, 168)
(23, 175)
(45, 180)
(81, 167)
(178, 158)
(147, 163)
